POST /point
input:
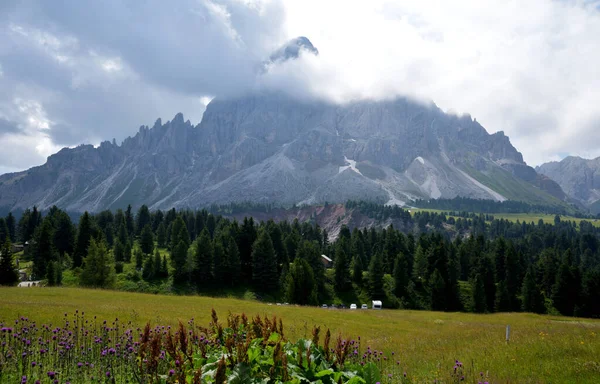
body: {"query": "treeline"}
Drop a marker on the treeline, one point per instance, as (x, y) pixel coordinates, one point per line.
(466, 204)
(438, 263)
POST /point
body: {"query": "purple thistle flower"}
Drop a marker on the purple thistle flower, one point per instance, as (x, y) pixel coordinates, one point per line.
(51, 374)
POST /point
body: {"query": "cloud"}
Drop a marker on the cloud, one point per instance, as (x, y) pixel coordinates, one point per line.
(89, 71)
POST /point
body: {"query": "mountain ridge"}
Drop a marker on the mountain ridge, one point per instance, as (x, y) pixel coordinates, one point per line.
(271, 148)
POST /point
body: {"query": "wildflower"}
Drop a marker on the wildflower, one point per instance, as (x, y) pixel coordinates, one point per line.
(33, 363)
(171, 372)
(107, 374)
(51, 374)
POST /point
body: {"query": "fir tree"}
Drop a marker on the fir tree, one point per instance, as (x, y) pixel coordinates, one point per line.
(97, 267)
(148, 268)
(64, 234)
(502, 302)
(119, 251)
(164, 268)
(51, 274)
(264, 267)
(479, 298)
(139, 258)
(340, 266)
(533, 300)
(84, 236)
(156, 265)
(438, 291)
(234, 264)
(219, 262)
(11, 227)
(357, 270)
(129, 223)
(142, 219)
(203, 260)
(590, 293)
(147, 240)
(8, 270)
(3, 229)
(178, 262)
(161, 235)
(401, 278)
(309, 251)
(376, 273)
(300, 286)
(43, 249)
(565, 293)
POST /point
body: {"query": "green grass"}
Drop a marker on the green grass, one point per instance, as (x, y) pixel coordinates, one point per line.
(542, 348)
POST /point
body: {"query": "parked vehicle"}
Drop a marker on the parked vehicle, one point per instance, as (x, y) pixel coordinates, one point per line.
(324, 306)
(364, 306)
(352, 306)
(377, 304)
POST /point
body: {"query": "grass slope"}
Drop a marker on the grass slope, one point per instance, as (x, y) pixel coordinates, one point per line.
(542, 348)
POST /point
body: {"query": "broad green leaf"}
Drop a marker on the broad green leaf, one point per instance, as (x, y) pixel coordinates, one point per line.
(356, 380)
(323, 373)
(371, 373)
(240, 374)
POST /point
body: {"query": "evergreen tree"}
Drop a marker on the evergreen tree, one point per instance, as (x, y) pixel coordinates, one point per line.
(479, 297)
(401, 278)
(264, 267)
(340, 266)
(590, 293)
(11, 226)
(234, 264)
(139, 258)
(64, 234)
(179, 232)
(97, 267)
(164, 268)
(453, 300)
(84, 236)
(148, 268)
(203, 260)
(51, 274)
(8, 270)
(533, 300)
(246, 239)
(300, 287)
(142, 219)
(565, 294)
(129, 223)
(309, 251)
(502, 302)
(420, 265)
(357, 270)
(512, 278)
(3, 229)
(156, 265)
(127, 252)
(376, 273)
(147, 239)
(43, 249)
(119, 251)
(161, 235)
(438, 291)
(178, 262)
(219, 262)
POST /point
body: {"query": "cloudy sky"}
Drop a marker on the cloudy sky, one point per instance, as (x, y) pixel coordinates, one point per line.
(85, 71)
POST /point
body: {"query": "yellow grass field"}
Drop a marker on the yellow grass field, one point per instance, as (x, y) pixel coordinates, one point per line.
(542, 349)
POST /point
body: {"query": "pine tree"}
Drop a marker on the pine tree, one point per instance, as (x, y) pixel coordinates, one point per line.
(84, 235)
(11, 227)
(178, 262)
(479, 298)
(376, 273)
(127, 252)
(119, 251)
(234, 263)
(401, 278)
(143, 219)
(203, 260)
(357, 270)
(438, 291)
(64, 234)
(219, 263)
(164, 268)
(161, 235)
(129, 223)
(139, 258)
(245, 241)
(43, 249)
(502, 302)
(8, 270)
(179, 232)
(340, 266)
(147, 239)
(565, 293)
(590, 293)
(3, 229)
(533, 300)
(264, 264)
(148, 269)
(51, 274)
(97, 267)
(156, 265)
(309, 251)
(300, 286)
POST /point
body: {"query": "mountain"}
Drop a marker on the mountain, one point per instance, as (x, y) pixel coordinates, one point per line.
(579, 178)
(268, 147)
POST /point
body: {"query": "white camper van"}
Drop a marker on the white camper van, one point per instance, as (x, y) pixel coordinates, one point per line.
(376, 304)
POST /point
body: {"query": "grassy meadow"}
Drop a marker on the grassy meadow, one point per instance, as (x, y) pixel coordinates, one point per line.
(542, 349)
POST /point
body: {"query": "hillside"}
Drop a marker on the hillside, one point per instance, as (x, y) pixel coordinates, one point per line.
(578, 178)
(270, 148)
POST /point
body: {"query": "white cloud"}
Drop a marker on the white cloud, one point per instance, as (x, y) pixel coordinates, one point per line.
(95, 71)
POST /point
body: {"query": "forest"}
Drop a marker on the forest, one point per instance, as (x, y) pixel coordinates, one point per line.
(431, 261)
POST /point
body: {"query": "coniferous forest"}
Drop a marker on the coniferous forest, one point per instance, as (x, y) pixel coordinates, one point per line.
(439, 262)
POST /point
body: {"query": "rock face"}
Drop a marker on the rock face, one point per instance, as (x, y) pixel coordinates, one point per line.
(579, 178)
(272, 148)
